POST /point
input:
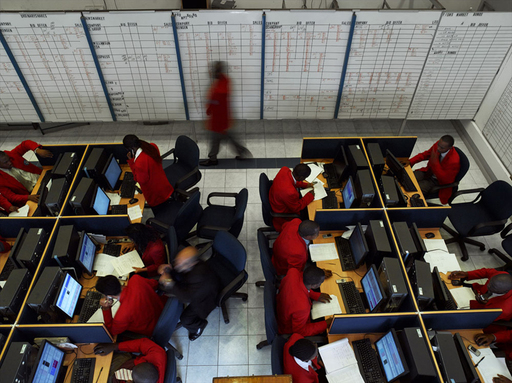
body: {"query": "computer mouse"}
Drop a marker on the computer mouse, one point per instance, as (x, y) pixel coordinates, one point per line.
(430, 235)
(325, 175)
(133, 200)
(415, 195)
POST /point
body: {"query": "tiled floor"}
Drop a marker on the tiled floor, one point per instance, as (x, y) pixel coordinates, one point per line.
(230, 349)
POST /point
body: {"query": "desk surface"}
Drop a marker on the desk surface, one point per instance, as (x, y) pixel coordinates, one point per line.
(255, 379)
(86, 351)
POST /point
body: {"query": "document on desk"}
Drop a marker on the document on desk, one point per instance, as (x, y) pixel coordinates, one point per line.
(114, 198)
(318, 188)
(349, 374)
(315, 171)
(340, 362)
(124, 264)
(445, 262)
(491, 366)
(462, 295)
(435, 244)
(22, 212)
(323, 252)
(97, 317)
(320, 309)
(134, 212)
(103, 265)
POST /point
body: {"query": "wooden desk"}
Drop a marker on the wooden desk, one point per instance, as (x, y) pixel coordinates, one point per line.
(255, 379)
(4, 256)
(410, 172)
(87, 351)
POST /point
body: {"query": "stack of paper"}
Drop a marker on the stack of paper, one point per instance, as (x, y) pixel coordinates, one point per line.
(323, 252)
(124, 264)
(435, 244)
(491, 366)
(22, 212)
(318, 188)
(340, 362)
(463, 295)
(316, 169)
(321, 309)
(103, 265)
(445, 262)
(114, 198)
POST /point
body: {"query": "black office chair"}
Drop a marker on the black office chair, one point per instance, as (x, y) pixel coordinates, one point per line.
(265, 234)
(487, 214)
(184, 172)
(507, 246)
(172, 244)
(276, 355)
(266, 209)
(464, 167)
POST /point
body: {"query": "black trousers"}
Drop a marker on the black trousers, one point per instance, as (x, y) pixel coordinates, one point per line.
(425, 181)
(216, 139)
(191, 320)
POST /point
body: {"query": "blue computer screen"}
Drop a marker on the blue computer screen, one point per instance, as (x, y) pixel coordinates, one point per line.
(390, 356)
(358, 244)
(348, 194)
(49, 364)
(370, 283)
(87, 253)
(68, 295)
(112, 173)
(101, 202)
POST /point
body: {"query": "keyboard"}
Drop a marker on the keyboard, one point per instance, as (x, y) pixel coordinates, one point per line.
(345, 254)
(128, 176)
(90, 306)
(332, 177)
(127, 189)
(451, 304)
(83, 370)
(330, 202)
(407, 183)
(367, 360)
(118, 209)
(417, 202)
(8, 268)
(112, 249)
(351, 298)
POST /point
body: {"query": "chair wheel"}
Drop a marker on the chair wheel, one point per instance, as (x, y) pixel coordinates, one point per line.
(226, 321)
(244, 299)
(482, 248)
(258, 347)
(179, 357)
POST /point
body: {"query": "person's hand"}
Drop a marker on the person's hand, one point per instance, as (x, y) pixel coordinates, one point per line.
(105, 348)
(129, 155)
(434, 155)
(106, 303)
(312, 191)
(501, 379)
(328, 273)
(44, 153)
(311, 184)
(13, 208)
(482, 339)
(138, 270)
(458, 275)
(324, 298)
(482, 299)
(33, 198)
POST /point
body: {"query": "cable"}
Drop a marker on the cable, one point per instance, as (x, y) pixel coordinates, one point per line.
(71, 364)
(80, 348)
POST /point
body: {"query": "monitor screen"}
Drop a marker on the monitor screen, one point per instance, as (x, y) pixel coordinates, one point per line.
(391, 356)
(372, 288)
(348, 193)
(112, 173)
(87, 253)
(49, 364)
(101, 202)
(68, 295)
(358, 245)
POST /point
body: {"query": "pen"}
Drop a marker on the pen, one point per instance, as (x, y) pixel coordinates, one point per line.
(476, 365)
(97, 380)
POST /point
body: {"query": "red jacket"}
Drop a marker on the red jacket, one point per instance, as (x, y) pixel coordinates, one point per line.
(13, 190)
(151, 177)
(299, 375)
(140, 308)
(503, 302)
(150, 353)
(445, 171)
(290, 250)
(154, 256)
(284, 197)
(5, 245)
(4, 203)
(218, 105)
(294, 307)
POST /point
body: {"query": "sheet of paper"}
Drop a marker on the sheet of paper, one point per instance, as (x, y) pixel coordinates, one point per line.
(124, 264)
(349, 374)
(462, 296)
(491, 366)
(315, 171)
(320, 309)
(103, 265)
(319, 190)
(49, 184)
(323, 252)
(97, 317)
(124, 374)
(22, 212)
(445, 262)
(2, 284)
(114, 198)
(100, 238)
(348, 233)
(435, 244)
(134, 212)
(337, 355)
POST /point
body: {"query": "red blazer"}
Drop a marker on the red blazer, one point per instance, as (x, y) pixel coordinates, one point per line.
(299, 375)
(294, 307)
(218, 105)
(503, 302)
(5, 245)
(284, 197)
(150, 353)
(151, 177)
(140, 308)
(4, 203)
(290, 250)
(13, 190)
(445, 171)
(154, 256)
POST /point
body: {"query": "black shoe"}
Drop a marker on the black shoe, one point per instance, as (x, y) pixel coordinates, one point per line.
(209, 162)
(199, 332)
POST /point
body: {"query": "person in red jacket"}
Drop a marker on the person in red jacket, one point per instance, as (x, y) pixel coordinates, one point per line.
(300, 360)
(4, 245)
(495, 294)
(147, 367)
(146, 165)
(442, 167)
(284, 196)
(291, 247)
(18, 176)
(149, 245)
(140, 306)
(294, 302)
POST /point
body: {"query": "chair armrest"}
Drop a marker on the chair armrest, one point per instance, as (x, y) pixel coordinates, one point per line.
(506, 230)
(231, 288)
(439, 187)
(486, 224)
(284, 215)
(504, 323)
(469, 191)
(167, 154)
(158, 225)
(215, 228)
(186, 176)
(219, 194)
(184, 194)
(204, 249)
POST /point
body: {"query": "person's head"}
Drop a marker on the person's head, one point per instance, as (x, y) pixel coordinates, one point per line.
(445, 143)
(145, 373)
(304, 349)
(500, 284)
(301, 172)
(313, 277)
(186, 259)
(218, 68)
(132, 143)
(309, 230)
(141, 234)
(109, 286)
(5, 161)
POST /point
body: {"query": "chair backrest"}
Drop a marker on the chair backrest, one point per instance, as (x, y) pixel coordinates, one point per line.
(276, 356)
(172, 243)
(167, 322)
(265, 185)
(240, 206)
(497, 200)
(188, 216)
(464, 165)
(269, 302)
(269, 270)
(186, 151)
(230, 248)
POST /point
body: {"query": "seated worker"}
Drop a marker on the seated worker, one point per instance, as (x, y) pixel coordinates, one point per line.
(147, 367)
(291, 247)
(140, 306)
(5, 206)
(442, 167)
(495, 294)
(284, 196)
(150, 247)
(18, 176)
(300, 360)
(4, 246)
(294, 302)
(146, 165)
(193, 282)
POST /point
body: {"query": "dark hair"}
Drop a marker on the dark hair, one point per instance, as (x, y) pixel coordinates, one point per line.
(218, 68)
(108, 285)
(3, 154)
(303, 349)
(142, 235)
(301, 171)
(145, 373)
(448, 139)
(313, 275)
(308, 228)
(131, 141)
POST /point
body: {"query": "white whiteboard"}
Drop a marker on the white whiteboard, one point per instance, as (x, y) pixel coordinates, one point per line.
(385, 62)
(54, 56)
(138, 60)
(231, 36)
(304, 53)
(466, 53)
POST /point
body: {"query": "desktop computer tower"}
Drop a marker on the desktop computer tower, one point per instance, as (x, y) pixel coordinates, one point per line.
(32, 249)
(378, 243)
(376, 158)
(16, 364)
(417, 355)
(56, 195)
(389, 193)
(405, 242)
(364, 188)
(448, 358)
(43, 293)
(390, 273)
(81, 199)
(95, 162)
(13, 293)
(66, 165)
(421, 282)
(356, 159)
(66, 247)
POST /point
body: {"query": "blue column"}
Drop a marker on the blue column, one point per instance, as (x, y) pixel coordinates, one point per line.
(262, 91)
(180, 67)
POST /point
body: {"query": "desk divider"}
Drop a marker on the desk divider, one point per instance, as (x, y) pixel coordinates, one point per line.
(400, 146)
(5, 330)
(423, 216)
(77, 333)
(325, 147)
(110, 226)
(334, 219)
(369, 323)
(459, 319)
(79, 149)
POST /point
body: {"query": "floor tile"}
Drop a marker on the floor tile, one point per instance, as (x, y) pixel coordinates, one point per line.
(232, 371)
(233, 350)
(237, 321)
(258, 356)
(260, 369)
(196, 374)
(204, 351)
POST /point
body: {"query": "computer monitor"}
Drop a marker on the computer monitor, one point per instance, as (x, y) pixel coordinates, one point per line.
(348, 193)
(391, 356)
(358, 245)
(373, 289)
(110, 174)
(68, 295)
(465, 359)
(442, 299)
(421, 249)
(100, 202)
(394, 165)
(48, 364)
(86, 252)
